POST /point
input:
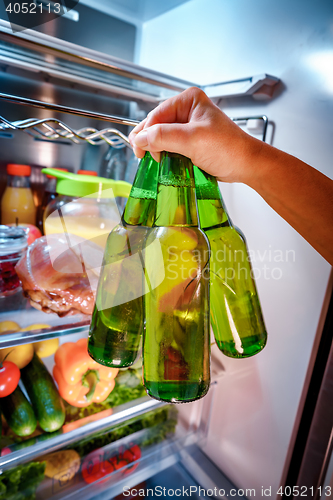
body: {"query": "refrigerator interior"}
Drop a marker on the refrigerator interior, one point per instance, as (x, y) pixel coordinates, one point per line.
(249, 425)
(257, 408)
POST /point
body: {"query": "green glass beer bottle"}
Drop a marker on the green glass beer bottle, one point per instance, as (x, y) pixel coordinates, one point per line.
(176, 339)
(117, 320)
(236, 315)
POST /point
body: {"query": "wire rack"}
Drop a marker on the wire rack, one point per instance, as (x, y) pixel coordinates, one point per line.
(55, 129)
(52, 129)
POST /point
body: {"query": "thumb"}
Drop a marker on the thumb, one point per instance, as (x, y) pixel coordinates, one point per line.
(173, 137)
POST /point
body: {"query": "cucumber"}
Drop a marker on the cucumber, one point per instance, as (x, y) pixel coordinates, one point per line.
(45, 399)
(18, 413)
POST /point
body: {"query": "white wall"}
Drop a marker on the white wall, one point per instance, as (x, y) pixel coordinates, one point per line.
(209, 41)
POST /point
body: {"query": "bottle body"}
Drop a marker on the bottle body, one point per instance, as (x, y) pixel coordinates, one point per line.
(176, 341)
(236, 316)
(17, 203)
(117, 321)
(48, 196)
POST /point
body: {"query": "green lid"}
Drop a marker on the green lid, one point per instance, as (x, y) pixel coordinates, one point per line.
(86, 185)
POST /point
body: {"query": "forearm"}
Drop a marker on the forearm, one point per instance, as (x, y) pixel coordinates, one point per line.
(190, 124)
(302, 195)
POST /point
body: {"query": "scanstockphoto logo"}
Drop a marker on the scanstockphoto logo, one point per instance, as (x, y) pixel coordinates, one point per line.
(24, 15)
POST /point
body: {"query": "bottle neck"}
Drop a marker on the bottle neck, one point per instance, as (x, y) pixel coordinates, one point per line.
(176, 199)
(18, 181)
(212, 212)
(140, 206)
(51, 185)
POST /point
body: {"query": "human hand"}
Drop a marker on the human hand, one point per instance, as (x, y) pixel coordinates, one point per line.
(191, 125)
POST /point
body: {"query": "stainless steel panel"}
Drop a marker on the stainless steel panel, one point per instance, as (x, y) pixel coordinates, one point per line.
(94, 30)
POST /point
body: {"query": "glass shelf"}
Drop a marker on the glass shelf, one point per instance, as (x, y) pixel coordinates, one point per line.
(27, 316)
(154, 459)
(79, 65)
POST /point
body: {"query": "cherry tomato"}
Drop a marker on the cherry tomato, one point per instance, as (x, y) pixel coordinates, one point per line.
(9, 378)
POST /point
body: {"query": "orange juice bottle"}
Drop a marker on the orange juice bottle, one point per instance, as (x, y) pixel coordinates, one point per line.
(17, 203)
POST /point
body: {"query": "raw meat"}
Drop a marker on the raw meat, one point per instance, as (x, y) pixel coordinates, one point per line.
(60, 274)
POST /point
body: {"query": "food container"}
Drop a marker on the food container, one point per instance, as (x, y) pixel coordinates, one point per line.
(13, 243)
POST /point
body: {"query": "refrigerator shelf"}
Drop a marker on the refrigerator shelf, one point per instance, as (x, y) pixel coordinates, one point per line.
(45, 129)
(38, 335)
(75, 431)
(154, 458)
(53, 129)
(28, 50)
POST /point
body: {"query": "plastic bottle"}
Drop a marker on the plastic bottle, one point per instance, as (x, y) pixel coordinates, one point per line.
(176, 340)
(114, 163)
(117, 320)
(17, 203)
(49, 195)
(236, 315)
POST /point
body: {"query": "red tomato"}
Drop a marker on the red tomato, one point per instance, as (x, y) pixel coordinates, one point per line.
(98, 464)
(9, 378)
(94, 466)
(119, 463)
(131, 455)
(135, 450)
(5, 451)
(91, 468)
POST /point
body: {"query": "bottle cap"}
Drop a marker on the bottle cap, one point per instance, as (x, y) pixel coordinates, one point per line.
(12, 240)
(14, 169)
(52, 176)
(75, 185)
(87, 172)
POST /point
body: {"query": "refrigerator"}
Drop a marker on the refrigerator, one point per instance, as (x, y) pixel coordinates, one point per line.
(265, 427)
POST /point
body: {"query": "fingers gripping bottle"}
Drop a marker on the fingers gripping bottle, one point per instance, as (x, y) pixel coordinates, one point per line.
(176, 340)
(236, 315)
(117, 320)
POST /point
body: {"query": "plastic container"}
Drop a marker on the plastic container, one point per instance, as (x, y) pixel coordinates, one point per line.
(85, 206)
(13, 243)
(17, 203)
